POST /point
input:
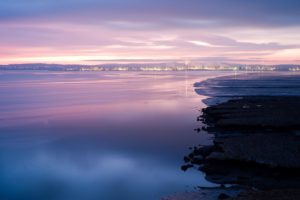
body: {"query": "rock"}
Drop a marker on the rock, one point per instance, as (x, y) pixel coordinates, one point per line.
(223, 196)
(256, 131)
(216, 156)
(287, 194)
(204, 151)
(197, 160)
(186, 167)
(186, 159)
(275, 150)
(205, 194)
(244, 113)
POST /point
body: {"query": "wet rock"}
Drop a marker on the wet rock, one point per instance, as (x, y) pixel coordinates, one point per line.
(255, 113)
(186, 167)
(257, 141)
(197, 160)
(288, 194)
(251, 153)
(216, 156)
(205, 151)
(205, 194)
(186, 159)
(275, 150)
(223, 196)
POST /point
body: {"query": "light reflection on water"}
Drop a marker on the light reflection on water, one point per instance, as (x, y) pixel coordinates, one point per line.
(94, 135)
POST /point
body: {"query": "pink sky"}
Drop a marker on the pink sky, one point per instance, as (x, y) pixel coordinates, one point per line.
(93, 31)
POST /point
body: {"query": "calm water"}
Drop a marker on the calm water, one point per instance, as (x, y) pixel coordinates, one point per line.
(105, 136)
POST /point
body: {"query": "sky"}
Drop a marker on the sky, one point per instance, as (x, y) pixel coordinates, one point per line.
(99, 31)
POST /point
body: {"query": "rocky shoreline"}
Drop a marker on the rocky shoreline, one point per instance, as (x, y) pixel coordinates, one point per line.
(256, 142)
(252, 146)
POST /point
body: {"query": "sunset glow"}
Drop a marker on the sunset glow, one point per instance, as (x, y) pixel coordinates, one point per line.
(94, 31)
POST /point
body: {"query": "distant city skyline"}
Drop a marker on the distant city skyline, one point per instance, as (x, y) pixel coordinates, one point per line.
(101, 31)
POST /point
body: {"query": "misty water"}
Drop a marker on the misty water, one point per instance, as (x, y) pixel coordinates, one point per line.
(98, 135)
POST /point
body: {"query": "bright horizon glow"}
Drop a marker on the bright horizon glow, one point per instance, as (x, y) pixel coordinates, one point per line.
(93, 32)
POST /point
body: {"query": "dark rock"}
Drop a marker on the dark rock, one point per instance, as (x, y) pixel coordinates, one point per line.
(223, 196)
(186, 167)
(256, 125)
(186, 159)
(287, 194)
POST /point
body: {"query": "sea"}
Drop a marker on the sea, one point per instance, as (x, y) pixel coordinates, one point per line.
(99, 135)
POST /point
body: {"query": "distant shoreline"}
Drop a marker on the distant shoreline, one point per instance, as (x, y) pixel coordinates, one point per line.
(177, 66)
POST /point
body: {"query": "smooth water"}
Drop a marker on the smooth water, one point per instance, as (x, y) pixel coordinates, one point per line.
(98, 135)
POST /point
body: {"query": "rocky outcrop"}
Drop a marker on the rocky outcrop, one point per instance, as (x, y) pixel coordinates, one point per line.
(256, 142)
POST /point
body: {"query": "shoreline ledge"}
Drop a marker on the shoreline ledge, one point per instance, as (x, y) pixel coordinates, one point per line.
(256, 143)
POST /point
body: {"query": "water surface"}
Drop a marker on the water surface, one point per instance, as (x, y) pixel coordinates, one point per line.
(98, 135)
